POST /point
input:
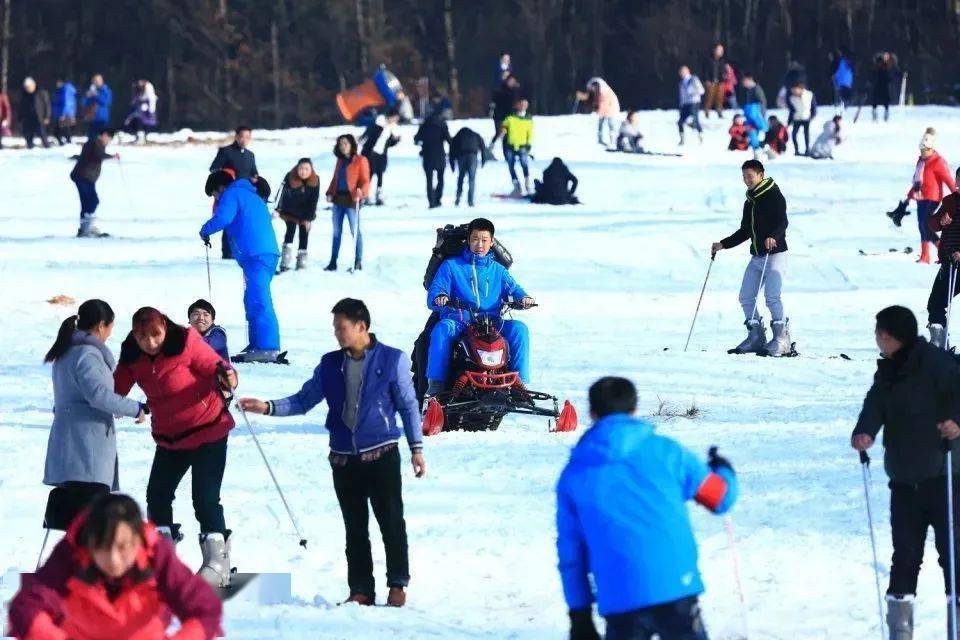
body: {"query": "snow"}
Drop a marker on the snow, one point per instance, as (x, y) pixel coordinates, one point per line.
(617, 280)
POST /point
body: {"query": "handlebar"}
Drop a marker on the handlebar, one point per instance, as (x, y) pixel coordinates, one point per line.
(469, 306)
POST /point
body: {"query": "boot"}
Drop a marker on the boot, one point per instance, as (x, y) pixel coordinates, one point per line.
(360, 599)
(358, 265)
(171, 534)
(938, 335)
(526, 185)
(301, 259)
(396, 597)
(378, 198)
(516, 193)
(88, 228)
(435, 387)
(682, 138)
(286, 258)
(900, 617)
(216, 559)
(756, 340)
(256, 355)
(780, 345)
(332, 266)
(927, 253)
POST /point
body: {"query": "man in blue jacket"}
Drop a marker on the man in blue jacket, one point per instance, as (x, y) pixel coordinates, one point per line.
(366, 384)
(622, 520)
(476, 279)
(243, 214)
(64, 111)
(97, 104)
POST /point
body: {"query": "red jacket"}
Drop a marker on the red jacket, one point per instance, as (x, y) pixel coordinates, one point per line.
(739, 137)
(6, 114)
(935, 174)
(186, 408)
(67, 597)
(358, 177)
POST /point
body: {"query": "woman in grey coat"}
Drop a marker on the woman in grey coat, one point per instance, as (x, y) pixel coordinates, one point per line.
(82, 448)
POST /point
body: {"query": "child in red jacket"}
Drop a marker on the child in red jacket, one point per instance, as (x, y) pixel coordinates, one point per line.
(929, 178)
(113, 576)
(776, 138)
(739, 134)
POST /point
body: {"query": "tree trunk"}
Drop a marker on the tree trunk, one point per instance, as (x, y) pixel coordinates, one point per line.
(361, 36)
(598, 38)
(787, 29)
(171, 97)
(5, 52)
(452, 71)
(275, 54)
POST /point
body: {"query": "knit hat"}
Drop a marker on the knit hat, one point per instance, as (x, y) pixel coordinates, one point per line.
(203, 304)
(899, 322)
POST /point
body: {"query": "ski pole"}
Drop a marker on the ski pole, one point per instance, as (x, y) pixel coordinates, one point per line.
(43, 546)
(356, 236)
(865, 467)
(732, 541)
(951, 541)
(951, 287)
(303, 541)
(763, 274)
(209, 281)
(697, 311)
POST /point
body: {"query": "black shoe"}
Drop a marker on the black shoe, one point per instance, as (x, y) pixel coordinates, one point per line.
(331, 267)
(357, 265)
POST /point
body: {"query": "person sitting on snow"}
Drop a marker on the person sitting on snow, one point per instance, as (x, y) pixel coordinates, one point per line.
(629, 138)
(556, 187)
(776, 138)
(822, 149)
(476, 279)
(202, 315)
(739, 134)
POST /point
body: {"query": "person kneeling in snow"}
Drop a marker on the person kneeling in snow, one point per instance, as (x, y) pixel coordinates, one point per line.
(776, 138)
(473, 278)
(556, 187)
(629, 137)
(113, 576)
(622, 520)
(202, 315)
(822, 149)
(740, 133)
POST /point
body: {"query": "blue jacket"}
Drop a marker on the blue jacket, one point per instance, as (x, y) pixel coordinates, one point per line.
(387, 389)
(622, 516)
(471, 278)
(843, 76)
(216, 337)
(103, 99)
(246, 219)
(65, 102)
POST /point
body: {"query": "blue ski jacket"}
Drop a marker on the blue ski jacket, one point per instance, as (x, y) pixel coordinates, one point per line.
(102, 101)
(622, 516)
(246, 219)
(65, 102)
(216, 337)
(479, 280)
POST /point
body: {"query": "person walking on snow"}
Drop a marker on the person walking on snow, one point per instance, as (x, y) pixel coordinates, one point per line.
(297, 207)
(366, 384)
(691, 92)
(85, 175)
(764, 224)
(377, 140)
(64, 111)
(96, 104)
(842, 78)
(635, 555)
(202, 317)
(238, 158)
(242, 213)
(517, 129)
(915, 399)
(801, 109)
(34, 113)
(432, 135)
(946, 222)
(349, 185)
(929, 178)
(601, 98)
(466, 149)
(885, 65)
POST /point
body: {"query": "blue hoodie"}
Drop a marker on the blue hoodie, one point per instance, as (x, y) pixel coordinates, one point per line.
(479, 280)
(65, 102)
(622, 517)
(102, 100)
(245, 217)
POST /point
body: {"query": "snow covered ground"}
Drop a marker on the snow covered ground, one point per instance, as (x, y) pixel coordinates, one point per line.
(617, 280)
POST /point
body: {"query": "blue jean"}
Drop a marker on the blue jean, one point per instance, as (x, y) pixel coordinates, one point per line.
(608, 123)
(925, 209)
(448, 330)
(467, 165)
(350, 213)
(511, 155)
(262, 325)
(89, 201)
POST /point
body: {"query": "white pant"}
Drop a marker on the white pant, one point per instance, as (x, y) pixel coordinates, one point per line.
(772, 285)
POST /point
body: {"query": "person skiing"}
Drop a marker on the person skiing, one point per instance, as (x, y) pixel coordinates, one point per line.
(202, 316)
(518, 136)
(504, 100)
(184, 381)
(948, 250)
(349, 185)
(929, 178)
(823, 147)
(716, 71)
(635, 555)
(142, 118)
(64, 111)
(240, 210)
(297, 207)
(915, 399)
(691, 92)
(34, 114)
(365, 384)
(600, 97)
(629, 138)
(754, 110)
(740, 134)
(432, 135)
(113, 576)
(237, 157)
(459, 279)
(801, 109)
(96, 104)
(465, 147)
(556, 187)
(884, 67)
(776, 138)
(6, 116)
(764, 224)
(842, 78)
(377, 140)
(85, 175)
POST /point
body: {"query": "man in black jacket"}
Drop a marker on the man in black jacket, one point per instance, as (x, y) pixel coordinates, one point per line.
(431, 136)
(238, 157)
(764, 224)
(915, 398)
(465, 148)
(504, 98)
(34, 113)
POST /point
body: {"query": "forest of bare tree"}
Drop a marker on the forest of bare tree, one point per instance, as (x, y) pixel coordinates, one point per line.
(280, 62)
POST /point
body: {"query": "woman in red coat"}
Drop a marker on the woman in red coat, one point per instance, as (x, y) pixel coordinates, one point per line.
(113, 576)
(929, 178)
(185, 382)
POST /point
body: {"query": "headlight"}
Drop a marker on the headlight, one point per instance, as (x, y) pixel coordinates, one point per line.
(491, 358)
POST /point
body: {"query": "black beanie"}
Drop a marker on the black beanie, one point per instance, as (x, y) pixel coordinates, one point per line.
(203, 304)
(900, 323)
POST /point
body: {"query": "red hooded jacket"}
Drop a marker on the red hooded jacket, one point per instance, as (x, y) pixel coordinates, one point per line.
(186, 408)
(739, 137)
(67, 599)
(935, 174)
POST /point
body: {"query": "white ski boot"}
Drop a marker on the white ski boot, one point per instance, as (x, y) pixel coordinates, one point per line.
(780, 345)
(526, 185)
(378, 199)
(216, 569)
(301, 259)
(756, 340)
(900, 617)
(938, 335)
(517, 192)
(286, 258)
(88, 228)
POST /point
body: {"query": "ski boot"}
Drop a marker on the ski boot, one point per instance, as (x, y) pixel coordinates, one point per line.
(756, 340)
(331, 267)
(682, 139)
(357, 265)
(88, 228)
(171, 533)
(257, 355)
(517, 192)
(301, 259)
(286, 258)
(378, 198)
(938, 335)
(900, 617)
(526, 185)
(780, 345)
(215, 548)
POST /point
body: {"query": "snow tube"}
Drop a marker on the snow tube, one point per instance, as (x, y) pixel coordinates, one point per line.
(378, 91)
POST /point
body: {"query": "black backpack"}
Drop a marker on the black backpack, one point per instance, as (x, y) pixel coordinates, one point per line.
(450, 242)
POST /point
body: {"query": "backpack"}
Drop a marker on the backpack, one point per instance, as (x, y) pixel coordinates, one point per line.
(450, 242)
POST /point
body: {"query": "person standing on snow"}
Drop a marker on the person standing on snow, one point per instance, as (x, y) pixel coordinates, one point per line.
(64, 112)
(34, 114)
(297, 207)
(884, 68)
(432, 135)
(929, 178)
(801, 109)
(601, 98)
(764, 224)
(349, 185)
(377, 140)
(96, 104)
(202, 316)
(636, 555)
(240, 209)
(465, 148)
(143, 110)
(364, 455)
(715, 71)
(915, 399)
(517, 129)
(691, 92)
(237, 157)
(85, 175)
(842, 78)
(504, 100)
(754, 110)
(948, 251)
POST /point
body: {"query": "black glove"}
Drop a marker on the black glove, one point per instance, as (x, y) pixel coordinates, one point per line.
(145, 408)
(716, 461)
(206, 240)
(581, 625)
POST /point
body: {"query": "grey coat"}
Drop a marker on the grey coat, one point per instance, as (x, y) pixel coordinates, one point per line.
(83, 442)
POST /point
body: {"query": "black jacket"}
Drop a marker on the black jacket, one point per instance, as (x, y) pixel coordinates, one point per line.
(34, 107)
(911, 393)
(242, 160)
(91, 158)
(467, 143)
(431, 136)
(556, 188)
(764, 216)
(504, 99)
(299, 198)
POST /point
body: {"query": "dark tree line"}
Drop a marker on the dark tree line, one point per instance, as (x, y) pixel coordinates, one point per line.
(280, 62)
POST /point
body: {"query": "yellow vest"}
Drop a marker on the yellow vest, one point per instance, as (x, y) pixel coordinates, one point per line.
(519, 130)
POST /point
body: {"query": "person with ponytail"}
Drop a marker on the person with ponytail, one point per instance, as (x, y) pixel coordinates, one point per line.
(82, 448)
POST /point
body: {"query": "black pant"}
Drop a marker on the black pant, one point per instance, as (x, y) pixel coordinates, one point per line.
(31, 130)
(937, 302)
(377, 481)
(805, 126)
(63, 133)
(914, 508)
(292, 229)
(688, 111)
(378, 164)
(434, 192)
(169, 465)
(677, 620)
(467, 166)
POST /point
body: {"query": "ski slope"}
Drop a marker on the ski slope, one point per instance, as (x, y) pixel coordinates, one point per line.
(617, 280)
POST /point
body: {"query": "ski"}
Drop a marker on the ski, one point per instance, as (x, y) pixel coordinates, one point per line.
(508, 196)
(647, 153)
(906, 250)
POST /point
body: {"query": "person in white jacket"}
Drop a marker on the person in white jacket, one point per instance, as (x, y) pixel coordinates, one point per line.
(691, 93)
(823, 147)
